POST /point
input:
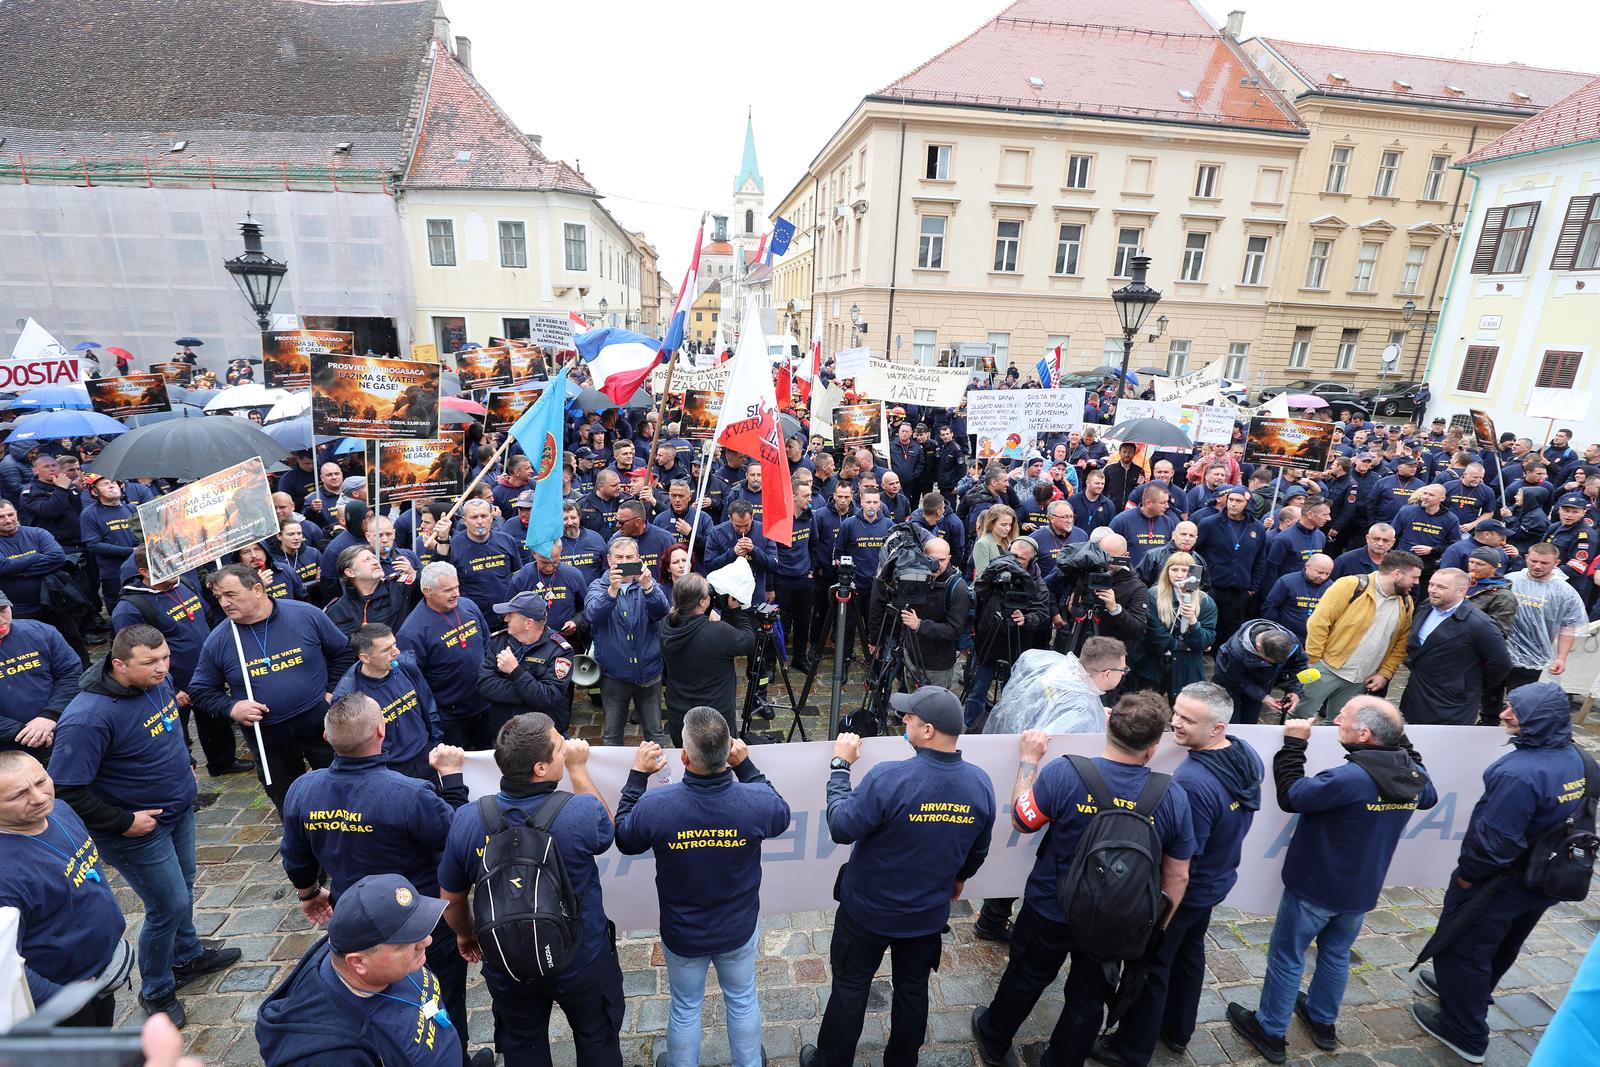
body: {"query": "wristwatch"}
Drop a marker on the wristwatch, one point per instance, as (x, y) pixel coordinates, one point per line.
(838, 763)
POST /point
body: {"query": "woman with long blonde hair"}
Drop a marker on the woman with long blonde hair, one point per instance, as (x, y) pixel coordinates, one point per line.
(1180, 625)
(997, 527)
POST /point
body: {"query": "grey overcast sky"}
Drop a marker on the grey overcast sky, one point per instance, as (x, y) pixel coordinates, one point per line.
(650, 97)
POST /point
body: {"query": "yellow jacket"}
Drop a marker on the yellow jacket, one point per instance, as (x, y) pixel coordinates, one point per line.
(1341, 618)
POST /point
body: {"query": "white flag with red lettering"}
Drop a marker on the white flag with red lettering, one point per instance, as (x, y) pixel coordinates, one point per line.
(749, 424)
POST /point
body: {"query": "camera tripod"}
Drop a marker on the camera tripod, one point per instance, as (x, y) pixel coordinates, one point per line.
(758, 670)
(840, 596)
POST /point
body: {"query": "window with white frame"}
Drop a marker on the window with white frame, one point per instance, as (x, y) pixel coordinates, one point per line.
(1366, 267)
(1007, 239)
(1000, 344)
(1255, 260)
(1416, 259)
(1516, 234)
(1238, 361)
(1078, 170)
(938, 167)
(1051, 340)
(1300, 350)
(1129, 239)
(1346, 357)
(1397, 339)
(924, 347)
(930, 246)
(1388, 173)
(1317, 264)
(513, 244)
(1177, 357)
(1111, 350)
(1069, 242)
(1433, 183)
(1205, 180)
(575, 238)
(441, 243)
(1338, 169)
(1194, 257)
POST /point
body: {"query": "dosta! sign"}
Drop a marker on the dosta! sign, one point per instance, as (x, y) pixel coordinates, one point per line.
(19, 374)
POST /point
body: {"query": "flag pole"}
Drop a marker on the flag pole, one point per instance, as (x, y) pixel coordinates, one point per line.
(462, 499)
(249, 694)
(374, 451)
(672, 366)
(699, 506)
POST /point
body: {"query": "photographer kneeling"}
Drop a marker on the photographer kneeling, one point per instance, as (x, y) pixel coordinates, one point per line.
(932, 625)
(1013, 615)
(1094, 592)
(698, 653)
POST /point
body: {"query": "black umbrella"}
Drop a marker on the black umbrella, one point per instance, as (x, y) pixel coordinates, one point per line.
(592, 400)
(789, 424)
(640, 401)
(185, 449)
(1455, 922)
(1153, 432)
(1159, 372)
(189, 342)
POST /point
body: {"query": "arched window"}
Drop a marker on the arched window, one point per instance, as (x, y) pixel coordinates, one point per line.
(749, 222)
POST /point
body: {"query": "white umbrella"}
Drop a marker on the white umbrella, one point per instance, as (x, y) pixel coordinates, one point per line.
(245, 396)
(290, 407)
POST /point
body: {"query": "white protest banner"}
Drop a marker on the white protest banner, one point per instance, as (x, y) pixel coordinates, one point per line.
(823, 401)
(1193, 388)
(995, 419)
(19, 374)
(851, 362)
(551, 331)
(1213, 424)
(800, 864)
(35, 342)
(1052, 410)
(1129, 410)
(908, 383)
(713, 378)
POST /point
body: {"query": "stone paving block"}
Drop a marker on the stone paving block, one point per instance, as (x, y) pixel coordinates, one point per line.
(246, 1011)
(205, 922)
(1383, 921)
(811, 970)
(294, 946)
(1211, 1007)
(214, 853)
(650, 1015)
(256, 948)
(965, 990)
(1203, 1049)
(1382, 951)
(795, 1004)
(1525, 1009)
(210, 1009)
(210, 1042)
(218, 896)
(253, 921)
(248, 980)
(950, 1057)
(780, 1041)
(1434, 1056)
(1503, 1052)
(640, 982)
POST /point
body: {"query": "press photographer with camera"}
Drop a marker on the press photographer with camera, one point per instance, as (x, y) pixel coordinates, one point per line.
(1093, 591)
(1012, 616)
(932, 617)
(699, 652)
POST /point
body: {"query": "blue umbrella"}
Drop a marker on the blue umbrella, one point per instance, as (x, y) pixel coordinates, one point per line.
(188, 342)
(84, 346)
(52, 425)
(179, 411)
(293, 434)
(47, 397)
(469, 346)
(198, 396)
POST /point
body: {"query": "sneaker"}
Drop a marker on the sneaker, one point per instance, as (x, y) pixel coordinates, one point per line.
(172, 1008)
(1177, 1047)
(1105, 1052)
(1244, 1020)
(1428, 1019)
(1429, 982)
(987, 1058)
(208, 962)
(1322, 1036)
(999, 934)
(238, 766)
(808, 1055)
(484, 1057)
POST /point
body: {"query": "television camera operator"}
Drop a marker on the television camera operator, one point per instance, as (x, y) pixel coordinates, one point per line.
(1095, 592)
(1012, 616)
(930, 601)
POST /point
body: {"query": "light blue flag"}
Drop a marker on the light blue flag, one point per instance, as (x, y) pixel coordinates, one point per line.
(539, 431)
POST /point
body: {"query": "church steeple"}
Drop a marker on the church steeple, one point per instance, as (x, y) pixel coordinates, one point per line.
(748, 171)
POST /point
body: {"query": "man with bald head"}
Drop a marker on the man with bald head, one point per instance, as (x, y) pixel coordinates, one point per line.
(1118, 611)
(1184, 537)
(283, 506)
(1456, 652)
(931, 630)
(1294, 597)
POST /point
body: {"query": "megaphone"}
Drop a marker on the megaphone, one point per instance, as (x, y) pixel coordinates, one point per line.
(585, 671)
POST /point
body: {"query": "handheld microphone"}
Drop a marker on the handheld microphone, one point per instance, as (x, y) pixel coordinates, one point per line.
(1309, 675)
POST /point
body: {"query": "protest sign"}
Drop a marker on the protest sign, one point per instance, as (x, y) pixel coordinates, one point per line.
(1483, 428)
(801, 864)
(701, 409)
(1052, 410)
(995, 418)
(133, 394)
(428, 353)
(174, 373)
(685, 378)
(1128, 410)
(484, 368)
(1213, 424)
(823, 401)
(19, 374)
(858, 424)
(1302, 443)
(418, 470)
(286, 354)
(908, 383)
(852, 362)
(527, 363)
(374, 398)
(207, 519)
(551, 331)
(1193, 388)
(505, 406)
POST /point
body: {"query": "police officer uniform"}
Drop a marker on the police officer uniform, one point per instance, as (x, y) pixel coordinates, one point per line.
(543, 678)
(1576, 544)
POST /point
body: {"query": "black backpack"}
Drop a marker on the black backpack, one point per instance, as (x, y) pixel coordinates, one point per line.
(1560, 862)
(1111, 894)
(525, 913)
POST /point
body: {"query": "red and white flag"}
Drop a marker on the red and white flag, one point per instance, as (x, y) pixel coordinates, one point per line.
(749, 425)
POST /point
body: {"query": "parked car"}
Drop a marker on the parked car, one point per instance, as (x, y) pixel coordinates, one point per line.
(1394, 399)
(1234, 392)
(1335, 393)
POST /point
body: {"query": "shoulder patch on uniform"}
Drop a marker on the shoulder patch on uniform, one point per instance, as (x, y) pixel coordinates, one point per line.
(562, 666)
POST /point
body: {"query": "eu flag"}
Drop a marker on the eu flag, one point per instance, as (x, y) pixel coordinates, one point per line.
(782, 234)
(540, 431)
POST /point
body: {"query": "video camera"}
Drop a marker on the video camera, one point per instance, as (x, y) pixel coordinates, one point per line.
(1005, 579)
(905, 570)
(1086, 568)
(765, 616)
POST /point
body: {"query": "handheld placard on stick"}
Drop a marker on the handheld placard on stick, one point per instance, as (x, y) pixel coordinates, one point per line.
(249, 694)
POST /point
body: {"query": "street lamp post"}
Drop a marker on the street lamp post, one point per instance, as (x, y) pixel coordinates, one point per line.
(855, 324)
(257, 274)
(603, 305)
(1134, 302)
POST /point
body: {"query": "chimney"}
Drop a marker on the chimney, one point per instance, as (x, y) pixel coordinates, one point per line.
(1233, 28)
(464, 52)
(441, 28)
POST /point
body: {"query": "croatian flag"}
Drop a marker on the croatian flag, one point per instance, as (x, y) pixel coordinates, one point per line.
(748, 423)
(578, 321)
(619, 360)
(680, 311)
(1046, 378)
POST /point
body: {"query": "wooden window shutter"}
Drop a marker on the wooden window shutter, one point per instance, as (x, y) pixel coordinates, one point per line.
(1488, 240)
(1477, 369)
(1558, 370)
(1578, 209)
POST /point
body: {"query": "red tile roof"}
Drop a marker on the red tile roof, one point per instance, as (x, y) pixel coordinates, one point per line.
(1142, 59)
(717, 248)
(1432, 79)
(1565, 122)
(462, 118)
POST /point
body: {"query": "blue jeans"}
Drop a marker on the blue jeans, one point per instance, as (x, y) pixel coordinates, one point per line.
(736, 975)
(978, 696)
(1299, 923)
(160, 868)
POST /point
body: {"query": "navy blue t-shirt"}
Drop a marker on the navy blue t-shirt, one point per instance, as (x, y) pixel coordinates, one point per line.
(449, 649)
(1059, 796)
(582, 831)
(1219, 823)
(288, 652)
(401, 1012)
(129, 751)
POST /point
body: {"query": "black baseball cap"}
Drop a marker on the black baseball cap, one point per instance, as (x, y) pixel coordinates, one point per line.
(531, 604)
(382, 909)
(934, 705)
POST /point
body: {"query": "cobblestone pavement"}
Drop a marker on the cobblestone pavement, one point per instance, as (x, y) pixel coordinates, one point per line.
(243, 896)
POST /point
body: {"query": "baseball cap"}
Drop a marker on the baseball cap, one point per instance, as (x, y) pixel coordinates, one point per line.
(524, 499)
(1413, 460)
(1231, 490)
(583, 452)
(639, 472)
(1573, 500)
(529, 604)
(934, 705)
(5, 601)
(1490, 526)
(382, 909)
